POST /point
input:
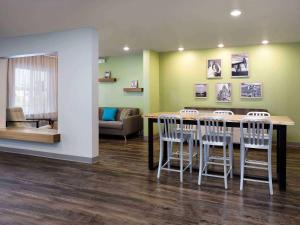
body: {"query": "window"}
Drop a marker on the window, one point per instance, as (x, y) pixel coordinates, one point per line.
(33, 86)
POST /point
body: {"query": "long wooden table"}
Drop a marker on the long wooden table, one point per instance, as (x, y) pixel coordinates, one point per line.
(280, 124)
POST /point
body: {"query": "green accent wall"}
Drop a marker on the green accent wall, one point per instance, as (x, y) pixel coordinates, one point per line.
(276, 66)
(125, 69)
(151, 84)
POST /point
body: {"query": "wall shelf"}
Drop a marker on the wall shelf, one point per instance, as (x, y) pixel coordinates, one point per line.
(107, 80)
(133, 89)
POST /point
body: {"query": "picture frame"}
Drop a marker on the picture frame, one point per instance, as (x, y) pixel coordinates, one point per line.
(134, 84)
(223, 92)
(214, 68)
(107, 74)
(251, 90)
(240, 65)
(201, 90)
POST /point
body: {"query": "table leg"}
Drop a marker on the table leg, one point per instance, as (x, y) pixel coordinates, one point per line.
(281, 157)
(150, 144)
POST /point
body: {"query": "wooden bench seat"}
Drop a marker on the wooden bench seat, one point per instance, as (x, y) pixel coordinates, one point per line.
(49, 136)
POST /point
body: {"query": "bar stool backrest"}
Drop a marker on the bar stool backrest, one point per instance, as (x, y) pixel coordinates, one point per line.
(223, 112)
(260, 114)
(168, 128)
(256, 132)
(186, 113)
(215, 129)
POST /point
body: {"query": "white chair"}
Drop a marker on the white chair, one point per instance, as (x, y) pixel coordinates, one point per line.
(223, 112)
(215, 135)
(259, 114)
(188, 128)
(256, 133)
(168, 132)
(229, 131)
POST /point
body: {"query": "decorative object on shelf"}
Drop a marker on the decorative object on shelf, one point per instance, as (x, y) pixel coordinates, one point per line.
(224, 92)
(101, 60)
(214, 68)
(107, 80)
(251, 90)
(107, 74)
(240, 65)
(134, 84)
(133, 89)
(201, 90)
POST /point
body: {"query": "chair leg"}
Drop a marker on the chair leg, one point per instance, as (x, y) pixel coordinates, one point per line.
(270, 171)
(242, 168)
(225, 166)
(207, 158)
(169, 154)
(181, 161)
(191, 146)
(160, 159)
(125, 138)
(200, 164)
(231, 158)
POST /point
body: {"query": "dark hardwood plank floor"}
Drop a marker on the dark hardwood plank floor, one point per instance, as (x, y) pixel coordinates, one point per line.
(120, 190)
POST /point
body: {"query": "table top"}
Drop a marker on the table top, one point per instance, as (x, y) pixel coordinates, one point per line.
(276, 120)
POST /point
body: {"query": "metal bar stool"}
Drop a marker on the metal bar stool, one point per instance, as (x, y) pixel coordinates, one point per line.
(189, 128)
(256, 133)
(215, 135)
(169, 132)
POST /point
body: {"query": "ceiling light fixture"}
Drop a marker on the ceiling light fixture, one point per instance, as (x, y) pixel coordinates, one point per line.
(126, 48)
(221, 45)
(235, 13)
(181, 49)
(265, 42)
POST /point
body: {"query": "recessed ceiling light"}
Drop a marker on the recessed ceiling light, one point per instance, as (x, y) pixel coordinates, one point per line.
(265, 42)
(235, 13)
(221, 45)
(126, 48)
(181, 49)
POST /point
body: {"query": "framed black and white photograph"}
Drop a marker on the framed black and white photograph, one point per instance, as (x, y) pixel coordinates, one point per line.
(214, 68)
(201, 90)
(107, 74)
(134, 84)
(223, 92)
(240, 65)
(251, 90)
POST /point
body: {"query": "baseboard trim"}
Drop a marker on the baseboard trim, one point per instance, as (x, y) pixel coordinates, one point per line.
(48, 155)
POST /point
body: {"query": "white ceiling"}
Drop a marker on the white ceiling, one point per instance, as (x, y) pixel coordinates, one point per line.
(161, 25)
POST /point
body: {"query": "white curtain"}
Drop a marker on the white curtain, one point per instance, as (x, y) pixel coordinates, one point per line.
(32, 85)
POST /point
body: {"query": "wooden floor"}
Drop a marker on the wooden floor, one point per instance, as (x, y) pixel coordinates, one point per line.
(120, 190)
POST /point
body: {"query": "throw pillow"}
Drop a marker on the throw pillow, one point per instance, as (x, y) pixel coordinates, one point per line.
(109, 114)
(125, 113)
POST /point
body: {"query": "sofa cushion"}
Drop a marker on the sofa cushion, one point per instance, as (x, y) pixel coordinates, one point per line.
(109, 114)
(111, 124)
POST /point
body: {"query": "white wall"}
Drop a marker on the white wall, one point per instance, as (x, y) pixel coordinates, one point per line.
(77, 88)
(3, 84)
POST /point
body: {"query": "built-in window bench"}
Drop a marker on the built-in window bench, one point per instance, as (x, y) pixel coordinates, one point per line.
(49, 136)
